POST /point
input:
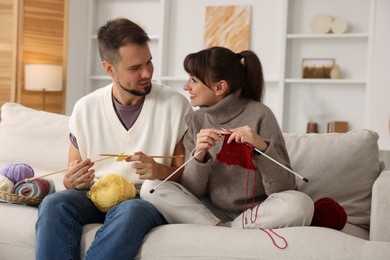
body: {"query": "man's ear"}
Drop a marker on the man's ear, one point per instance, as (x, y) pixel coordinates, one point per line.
(109, 68)
(222, 88)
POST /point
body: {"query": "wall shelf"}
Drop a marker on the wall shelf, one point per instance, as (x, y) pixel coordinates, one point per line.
(324, 81)
(152, 37)
(328, 36)
(281, 51)
(303, 99)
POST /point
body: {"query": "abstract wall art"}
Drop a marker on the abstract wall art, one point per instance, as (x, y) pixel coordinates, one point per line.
(228, 26)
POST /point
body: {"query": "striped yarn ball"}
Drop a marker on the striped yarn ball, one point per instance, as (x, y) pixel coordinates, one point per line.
(38, 188)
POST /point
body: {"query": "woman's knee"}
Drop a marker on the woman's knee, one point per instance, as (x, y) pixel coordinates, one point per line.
(299, 207)
(147, 189)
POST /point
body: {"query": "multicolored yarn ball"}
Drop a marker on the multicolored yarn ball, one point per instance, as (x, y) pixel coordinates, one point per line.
(38, 188)
(17, 171)
(328, 213)
(110, 191)
(6, 185)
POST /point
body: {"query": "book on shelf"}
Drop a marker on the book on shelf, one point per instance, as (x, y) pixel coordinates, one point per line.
(338, 127)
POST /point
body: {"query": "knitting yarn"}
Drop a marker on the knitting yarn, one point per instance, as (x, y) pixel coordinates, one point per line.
(328, 213)
(110, 191)
(38, 188)
(6, 185)
(236, 154)
(17, 171)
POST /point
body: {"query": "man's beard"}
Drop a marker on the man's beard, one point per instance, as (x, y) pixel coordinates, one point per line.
(136, 92)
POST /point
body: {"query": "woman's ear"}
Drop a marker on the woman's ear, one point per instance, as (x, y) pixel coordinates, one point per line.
(222, 88)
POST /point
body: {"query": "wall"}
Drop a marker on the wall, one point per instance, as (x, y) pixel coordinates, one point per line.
(42, 40)
(77, 52)
(32, 32)
(378, 107)
(379, 99)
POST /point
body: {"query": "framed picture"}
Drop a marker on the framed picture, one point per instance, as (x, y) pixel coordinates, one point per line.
(228, 26)
(317, 68)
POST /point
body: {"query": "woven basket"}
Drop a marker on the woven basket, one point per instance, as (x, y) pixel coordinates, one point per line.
(14, 198)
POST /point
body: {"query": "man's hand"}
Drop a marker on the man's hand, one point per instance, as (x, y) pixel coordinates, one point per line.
(146, 167)
(79, 176)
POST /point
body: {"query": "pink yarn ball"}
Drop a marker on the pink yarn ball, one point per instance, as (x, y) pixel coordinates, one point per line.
(17, 171)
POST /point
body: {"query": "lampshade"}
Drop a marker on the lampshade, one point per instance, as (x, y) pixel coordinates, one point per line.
(39, 77)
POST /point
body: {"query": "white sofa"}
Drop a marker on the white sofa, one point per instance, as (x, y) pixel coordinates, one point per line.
(344, 167)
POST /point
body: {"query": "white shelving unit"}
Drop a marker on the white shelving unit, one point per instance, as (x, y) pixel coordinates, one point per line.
(175, 31)
(325, 100)
(281, 36)
(151, 15)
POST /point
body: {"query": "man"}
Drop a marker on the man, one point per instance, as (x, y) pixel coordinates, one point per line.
(131, 116)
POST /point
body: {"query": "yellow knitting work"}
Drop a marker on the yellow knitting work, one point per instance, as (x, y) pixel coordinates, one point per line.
(110, 191)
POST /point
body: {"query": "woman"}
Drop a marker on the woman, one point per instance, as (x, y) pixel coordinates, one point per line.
(228, 88)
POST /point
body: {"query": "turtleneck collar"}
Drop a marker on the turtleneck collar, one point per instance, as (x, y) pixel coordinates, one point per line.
(226, 109)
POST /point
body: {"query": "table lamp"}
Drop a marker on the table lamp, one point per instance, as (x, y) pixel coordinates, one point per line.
(43, 77)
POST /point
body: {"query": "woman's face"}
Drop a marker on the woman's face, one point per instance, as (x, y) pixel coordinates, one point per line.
(200, 94)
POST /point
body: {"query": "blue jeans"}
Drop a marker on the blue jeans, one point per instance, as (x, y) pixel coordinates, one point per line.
(61, 217)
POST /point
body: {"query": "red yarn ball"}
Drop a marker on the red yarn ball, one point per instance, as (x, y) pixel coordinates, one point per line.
(328, 213)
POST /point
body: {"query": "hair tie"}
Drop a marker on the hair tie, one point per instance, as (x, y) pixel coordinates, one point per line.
(240, 58)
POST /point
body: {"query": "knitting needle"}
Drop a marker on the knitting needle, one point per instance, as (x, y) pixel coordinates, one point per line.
(278, 163)
(173, 173)
(62, 170)
(150, 156)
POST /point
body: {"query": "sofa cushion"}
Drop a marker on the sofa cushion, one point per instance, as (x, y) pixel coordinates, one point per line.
(21, 132)
(342, 166)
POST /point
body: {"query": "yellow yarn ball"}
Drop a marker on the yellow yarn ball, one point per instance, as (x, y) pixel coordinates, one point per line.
(111, 190)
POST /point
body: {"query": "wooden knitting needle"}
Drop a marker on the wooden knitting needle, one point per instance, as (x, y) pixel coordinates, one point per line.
(62, 170)
(151, 156)
(272, 159)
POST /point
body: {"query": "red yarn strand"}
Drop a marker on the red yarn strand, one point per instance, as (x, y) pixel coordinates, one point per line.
(241, 155)
(273, 240)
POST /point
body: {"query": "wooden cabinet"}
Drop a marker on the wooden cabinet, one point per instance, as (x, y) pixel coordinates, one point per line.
(41, 39)
(8, 50)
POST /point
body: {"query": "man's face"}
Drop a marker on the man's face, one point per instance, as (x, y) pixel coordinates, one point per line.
(134, 71)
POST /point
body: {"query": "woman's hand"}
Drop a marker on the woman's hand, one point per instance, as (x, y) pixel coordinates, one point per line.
(245, 134)
(79, 175)
(205, 140)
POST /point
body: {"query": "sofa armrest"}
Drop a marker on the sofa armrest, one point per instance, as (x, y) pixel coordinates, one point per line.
(380, 208)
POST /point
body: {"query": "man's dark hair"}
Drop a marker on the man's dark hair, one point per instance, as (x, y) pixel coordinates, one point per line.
(117, 33)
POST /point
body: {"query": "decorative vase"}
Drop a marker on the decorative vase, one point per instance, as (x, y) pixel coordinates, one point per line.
(335, 72)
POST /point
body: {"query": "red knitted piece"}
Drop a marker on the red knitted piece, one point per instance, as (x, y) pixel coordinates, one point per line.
(236, 154)
(328, 213)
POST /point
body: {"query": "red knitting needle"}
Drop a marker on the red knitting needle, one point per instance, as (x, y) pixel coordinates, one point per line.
(278, 163)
